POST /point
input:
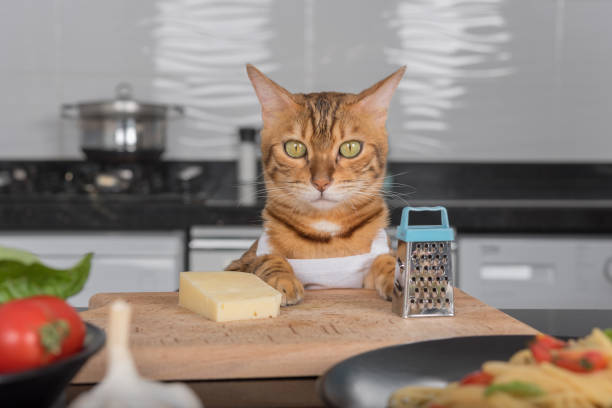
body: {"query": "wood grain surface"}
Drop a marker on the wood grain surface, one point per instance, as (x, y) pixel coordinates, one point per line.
(172, 343)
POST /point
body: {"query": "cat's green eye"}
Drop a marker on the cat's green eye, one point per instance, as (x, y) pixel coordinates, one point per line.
(295, 149)
(350, 149)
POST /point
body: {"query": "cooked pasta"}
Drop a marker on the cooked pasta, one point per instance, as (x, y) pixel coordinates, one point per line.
(549, 374)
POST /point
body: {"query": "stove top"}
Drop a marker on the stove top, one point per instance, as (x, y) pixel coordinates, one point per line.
(83, 178)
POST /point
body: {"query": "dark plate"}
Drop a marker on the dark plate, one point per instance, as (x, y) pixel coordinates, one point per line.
(42, 386)
(367, 380)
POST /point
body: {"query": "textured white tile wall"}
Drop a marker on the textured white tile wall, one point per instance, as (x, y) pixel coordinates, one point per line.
(62, 51)
(491, 80)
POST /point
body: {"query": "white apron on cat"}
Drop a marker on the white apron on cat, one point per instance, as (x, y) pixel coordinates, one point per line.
(341, 272)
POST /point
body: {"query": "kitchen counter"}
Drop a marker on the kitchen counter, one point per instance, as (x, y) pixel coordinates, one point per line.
(508, 198)
(563, 322)
(298, 389)
(274, 362)
(146, 213)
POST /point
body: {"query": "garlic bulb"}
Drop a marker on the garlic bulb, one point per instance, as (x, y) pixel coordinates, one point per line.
(122, 386)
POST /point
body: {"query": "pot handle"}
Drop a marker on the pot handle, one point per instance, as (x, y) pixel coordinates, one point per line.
(70, 111)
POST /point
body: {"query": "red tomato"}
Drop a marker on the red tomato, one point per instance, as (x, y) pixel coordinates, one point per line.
(36, 331)
(62, 310)
(20, 346)
(549, 342)
(540, 353)
(580, 361)
(548, 349)
(477, 377)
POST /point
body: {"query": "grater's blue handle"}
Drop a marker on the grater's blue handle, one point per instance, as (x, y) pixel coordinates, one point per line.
(425, 233)
(406, 213)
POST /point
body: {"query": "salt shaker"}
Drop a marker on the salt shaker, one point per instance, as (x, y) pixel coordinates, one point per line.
(247, 167)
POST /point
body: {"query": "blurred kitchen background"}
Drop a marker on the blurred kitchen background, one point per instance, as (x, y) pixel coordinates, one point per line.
(503, 116)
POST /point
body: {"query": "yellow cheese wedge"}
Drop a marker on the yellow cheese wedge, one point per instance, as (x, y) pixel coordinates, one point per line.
(226, 296)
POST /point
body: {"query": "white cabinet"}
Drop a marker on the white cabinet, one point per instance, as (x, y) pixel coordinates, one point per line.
(537, 271)
(213, 248)
(123, 261)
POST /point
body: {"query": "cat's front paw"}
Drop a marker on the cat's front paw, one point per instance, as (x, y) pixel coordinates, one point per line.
(287, 284)
(277, 272)
(381, 276)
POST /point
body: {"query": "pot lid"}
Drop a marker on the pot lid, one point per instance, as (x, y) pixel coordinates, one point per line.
(123, 105)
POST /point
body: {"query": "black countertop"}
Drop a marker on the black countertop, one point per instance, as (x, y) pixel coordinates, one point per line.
(563, 322)
(480, 197)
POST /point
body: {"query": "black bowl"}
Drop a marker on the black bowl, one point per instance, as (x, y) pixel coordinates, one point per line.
(367, 380)
(41, 387)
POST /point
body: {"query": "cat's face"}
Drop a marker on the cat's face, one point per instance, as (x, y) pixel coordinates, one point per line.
(323, 150)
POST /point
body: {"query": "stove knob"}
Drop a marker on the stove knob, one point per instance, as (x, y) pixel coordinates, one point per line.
(109, 181)
(126, 174)
(190, 172)
(20, 174)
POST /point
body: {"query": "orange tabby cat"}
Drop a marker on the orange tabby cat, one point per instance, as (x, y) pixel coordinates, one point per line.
(324, 157)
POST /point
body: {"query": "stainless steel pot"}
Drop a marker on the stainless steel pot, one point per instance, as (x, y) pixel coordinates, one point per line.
(122, 129)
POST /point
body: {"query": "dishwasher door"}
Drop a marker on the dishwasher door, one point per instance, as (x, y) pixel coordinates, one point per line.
(213, 248)
(547, 272)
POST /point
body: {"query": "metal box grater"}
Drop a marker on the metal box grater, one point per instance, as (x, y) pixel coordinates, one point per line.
(423, 271)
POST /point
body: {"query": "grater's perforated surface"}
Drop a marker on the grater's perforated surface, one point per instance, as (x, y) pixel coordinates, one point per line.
(423, 279)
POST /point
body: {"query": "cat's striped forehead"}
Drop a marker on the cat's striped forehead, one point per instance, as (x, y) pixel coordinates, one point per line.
(323, 119)
(324, 112)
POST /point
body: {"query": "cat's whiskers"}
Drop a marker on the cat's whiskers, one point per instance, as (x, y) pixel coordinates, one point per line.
(372, 190)
(394, 175)
(351, 203)
(355, 193)
(264, 192)
(250, 183)
(397, 184)
(287, 202)
(289, 196)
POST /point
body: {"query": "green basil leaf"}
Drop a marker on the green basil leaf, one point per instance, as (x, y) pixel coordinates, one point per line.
(516, 388)
(608, 333)
(13, 254)
(19, 280)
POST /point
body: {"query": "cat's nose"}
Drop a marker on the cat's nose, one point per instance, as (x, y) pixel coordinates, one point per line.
(321, 183)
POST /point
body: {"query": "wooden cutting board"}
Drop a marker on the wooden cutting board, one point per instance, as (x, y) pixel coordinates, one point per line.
(172, 343)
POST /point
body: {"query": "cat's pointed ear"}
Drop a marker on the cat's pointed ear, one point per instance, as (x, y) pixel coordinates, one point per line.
(375, 100)
(273, 98)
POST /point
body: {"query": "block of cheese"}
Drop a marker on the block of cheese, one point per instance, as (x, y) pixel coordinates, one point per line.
(226, 296)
